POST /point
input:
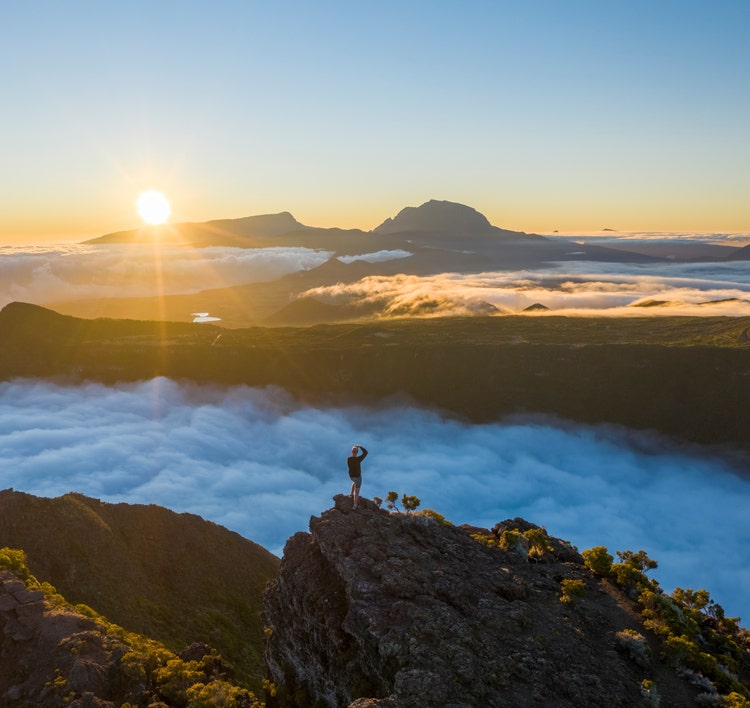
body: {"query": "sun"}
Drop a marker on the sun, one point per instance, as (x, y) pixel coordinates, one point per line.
(153, 207)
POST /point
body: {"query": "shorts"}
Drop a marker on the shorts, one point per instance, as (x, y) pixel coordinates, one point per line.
(357, 482)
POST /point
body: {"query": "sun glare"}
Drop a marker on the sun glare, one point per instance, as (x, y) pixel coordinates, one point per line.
(153, 207)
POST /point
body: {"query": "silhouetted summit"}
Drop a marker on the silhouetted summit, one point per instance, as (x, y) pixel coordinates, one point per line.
(436, 216)
(233, 232)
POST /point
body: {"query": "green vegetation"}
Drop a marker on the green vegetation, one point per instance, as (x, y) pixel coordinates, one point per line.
(571, 589)
(434, 515)
(410, 503)
(150, 571)
(147, 666)
(598, 560)
(694, 632)
(533, 543)
(634, 644)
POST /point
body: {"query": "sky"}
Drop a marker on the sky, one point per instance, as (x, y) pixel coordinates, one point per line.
(574, 116)
(260, 463)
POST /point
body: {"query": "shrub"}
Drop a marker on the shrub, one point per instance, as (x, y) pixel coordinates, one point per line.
(514, 541)
(435, 516)
(598, 560)
(410, 503)
(571, 589)
(14, 560)
(539, 543)
(174, 679)
(649, 693)
(220, 694)
(639, 560)
(486, 540)
(678, 650)
(633, 644)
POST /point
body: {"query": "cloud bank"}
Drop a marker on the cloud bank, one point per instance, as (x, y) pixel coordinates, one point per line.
(48, 274)
(577, 289)
(260, 463)
(612, 237)
(377, 256)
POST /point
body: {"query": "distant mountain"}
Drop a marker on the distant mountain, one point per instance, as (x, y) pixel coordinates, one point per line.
(741, 254)
(228, 232)
(149, 570)
(436, 216)
(443, 237)
(433, 218)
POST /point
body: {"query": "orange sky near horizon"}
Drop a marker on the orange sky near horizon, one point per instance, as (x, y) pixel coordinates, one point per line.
(572, 117)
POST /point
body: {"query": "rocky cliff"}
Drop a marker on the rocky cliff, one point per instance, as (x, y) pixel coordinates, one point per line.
(394, 609)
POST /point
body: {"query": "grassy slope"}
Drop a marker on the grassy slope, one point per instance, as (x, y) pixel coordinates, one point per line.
(174, 577)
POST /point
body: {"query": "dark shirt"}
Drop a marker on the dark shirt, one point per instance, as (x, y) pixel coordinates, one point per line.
(354, 462)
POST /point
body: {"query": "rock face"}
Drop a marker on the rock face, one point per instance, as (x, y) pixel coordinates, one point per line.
(377, 608)
(48, 652)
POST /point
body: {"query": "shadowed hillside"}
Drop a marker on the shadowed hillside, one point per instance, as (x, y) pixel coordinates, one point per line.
(174, 577)
(687, 377)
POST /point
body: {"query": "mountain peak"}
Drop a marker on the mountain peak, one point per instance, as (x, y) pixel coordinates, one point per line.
(436, 215)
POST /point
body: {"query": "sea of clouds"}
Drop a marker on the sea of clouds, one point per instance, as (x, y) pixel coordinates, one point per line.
(582, 288)
(261, 463)
(47, 274)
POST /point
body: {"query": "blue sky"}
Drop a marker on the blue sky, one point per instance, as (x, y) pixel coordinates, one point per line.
(546, 115)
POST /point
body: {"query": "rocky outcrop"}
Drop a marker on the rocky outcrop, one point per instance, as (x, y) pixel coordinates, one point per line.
(393, 609)
(48, 653)
(53, 654)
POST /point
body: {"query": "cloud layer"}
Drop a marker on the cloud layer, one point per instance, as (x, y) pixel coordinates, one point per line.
(48, 274)
(578, 288)
(260, 463)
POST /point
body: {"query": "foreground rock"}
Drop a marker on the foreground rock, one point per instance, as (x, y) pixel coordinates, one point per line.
(376, 608)
(52, 656)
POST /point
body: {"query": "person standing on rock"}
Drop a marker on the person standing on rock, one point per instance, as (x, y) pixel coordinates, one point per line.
(354, 462)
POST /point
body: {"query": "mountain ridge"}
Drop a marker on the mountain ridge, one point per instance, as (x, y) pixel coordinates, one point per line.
(369, 608)
(434, 215)
(148, 569)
